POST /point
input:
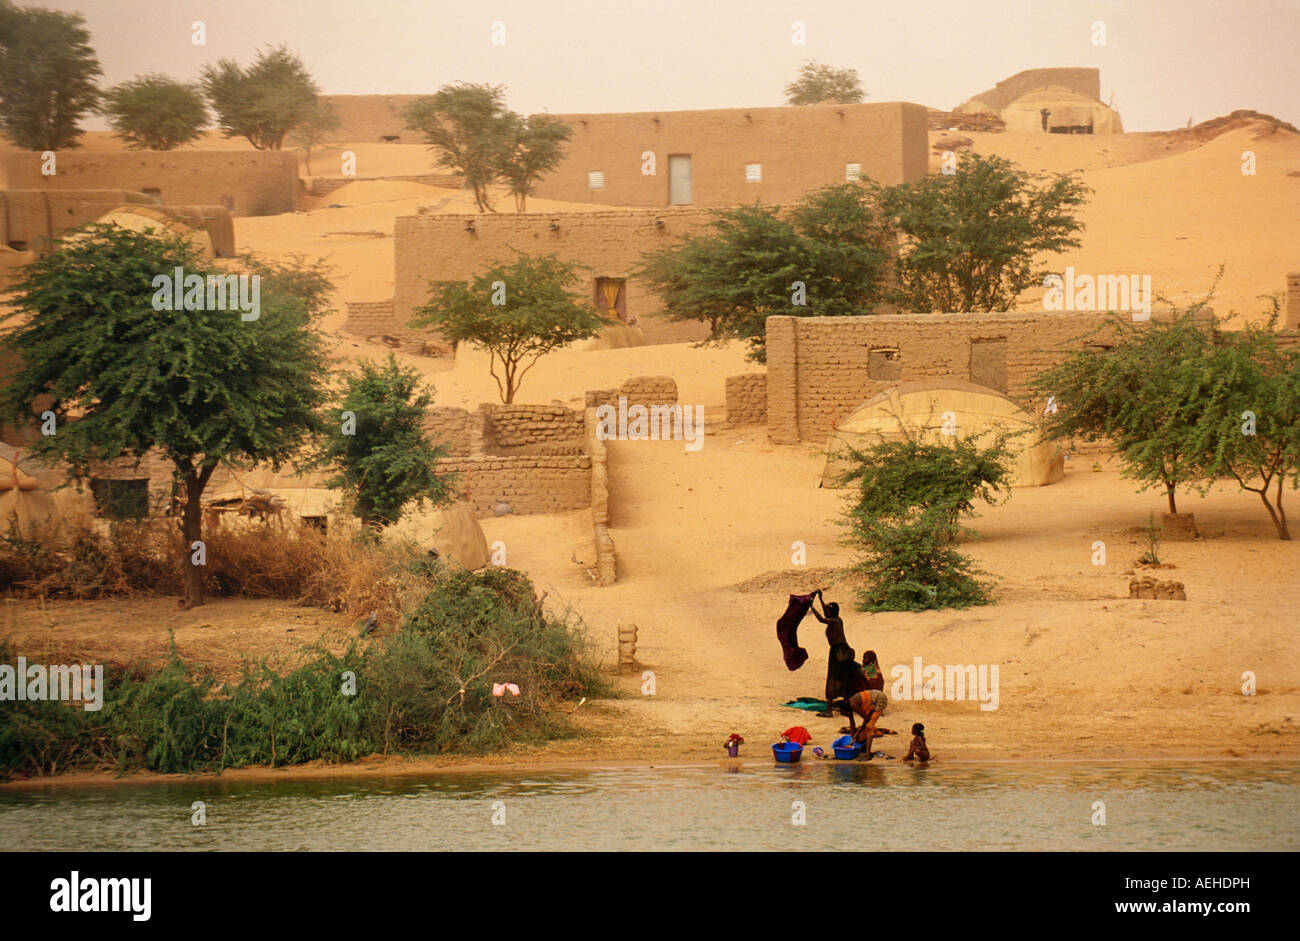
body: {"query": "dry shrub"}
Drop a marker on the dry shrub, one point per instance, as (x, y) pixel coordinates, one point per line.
(276, 558)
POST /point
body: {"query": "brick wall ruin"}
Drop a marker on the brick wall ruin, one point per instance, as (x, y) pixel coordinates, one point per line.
(747, 399)
(532, 457)
(246, 182)
(819, 369)
(639, 390)
(526, 483)
(376, 322)
(532, 429)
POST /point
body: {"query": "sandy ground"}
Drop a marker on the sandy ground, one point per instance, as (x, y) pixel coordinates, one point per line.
(1085, 673)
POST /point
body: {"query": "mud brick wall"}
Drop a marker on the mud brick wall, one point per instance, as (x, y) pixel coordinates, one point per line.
(27, 217)
(372, 118)
(375, 321)
(247, 182)
(433, 247)
(747, 399)
(639, 390)
(531, 429)
(800, 149)
(819, 369)
(529, 483)
(372, 318)
(450, 427)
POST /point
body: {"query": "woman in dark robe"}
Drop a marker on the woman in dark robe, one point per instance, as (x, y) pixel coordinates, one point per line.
(839, 666)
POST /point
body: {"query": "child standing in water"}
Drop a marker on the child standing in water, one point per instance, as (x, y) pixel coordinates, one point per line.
(919, 750)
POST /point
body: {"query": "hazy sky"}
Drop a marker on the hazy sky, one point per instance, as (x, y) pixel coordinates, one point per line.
(1164, 60)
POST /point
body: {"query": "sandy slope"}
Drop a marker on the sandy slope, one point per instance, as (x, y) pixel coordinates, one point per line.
(1084, 671)
(1175, 210)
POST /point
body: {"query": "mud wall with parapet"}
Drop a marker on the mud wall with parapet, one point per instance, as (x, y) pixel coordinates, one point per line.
(532, 429)
(639, 390)
(29, 216)
(528, 483)
(819, 369)
(32, 217)
(1292, 311)
(532, 457)
(1083, 81)
(429, 247)
(450, 427)
(747, 399)
(372, 118)
(799, 149)
(246, 182)
(538, 459)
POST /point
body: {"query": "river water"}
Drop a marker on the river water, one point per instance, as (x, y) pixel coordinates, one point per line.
(753, 806)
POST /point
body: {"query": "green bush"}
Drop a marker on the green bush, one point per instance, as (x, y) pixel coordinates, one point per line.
(911, 496)
(426, 688)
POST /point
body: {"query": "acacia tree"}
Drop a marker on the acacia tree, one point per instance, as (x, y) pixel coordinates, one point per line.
(378, 444)
(47, 76)
(816, 83)
(472, 132)
(467, 126)
(971, 241)
(534, 147)
(263, 102)
(315, 128)
(827, 256)
(1133, 391)
(1248, 428)
(200, 387)
(518, 312)
(154, 112)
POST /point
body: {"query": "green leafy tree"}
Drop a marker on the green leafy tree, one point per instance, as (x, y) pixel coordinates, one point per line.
(154, 112)
(535, 147)
(827, 256)
(199, 387)
(47, 76)
(472, 132)
(1132, 390)
(384, 457)
(911, 495)
(816, 83)
(264, 102)
(315, 128)
(469, 129)
(518, 312)
(1247, 391)
(971, 241)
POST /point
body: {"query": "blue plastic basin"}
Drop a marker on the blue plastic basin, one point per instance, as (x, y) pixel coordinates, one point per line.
(787, 752)
(845, 748)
